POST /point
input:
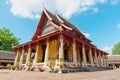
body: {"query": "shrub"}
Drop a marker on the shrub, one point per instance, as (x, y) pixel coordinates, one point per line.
(29, 65)
(13, 67)
(9, 66)
(61, 59)
(51, 64)
(17, 65)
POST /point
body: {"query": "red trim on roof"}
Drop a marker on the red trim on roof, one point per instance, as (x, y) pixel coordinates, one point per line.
(39, 26)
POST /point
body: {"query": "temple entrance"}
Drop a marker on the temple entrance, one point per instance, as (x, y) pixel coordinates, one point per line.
(87, 56)
(33, 52)
(43, 56)
(66, 59)
(81, 56)
(94, 60)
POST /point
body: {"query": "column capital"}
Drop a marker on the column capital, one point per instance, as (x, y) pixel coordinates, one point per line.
(74, 39)
(74, 42)
(89, 47)
(29, 45)
(23, 48)
(83, 45)
(47, 40)
(37, 42)
(95, 49)
(61, 38)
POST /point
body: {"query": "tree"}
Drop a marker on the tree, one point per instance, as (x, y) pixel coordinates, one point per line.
(116, 49)
(7, 39)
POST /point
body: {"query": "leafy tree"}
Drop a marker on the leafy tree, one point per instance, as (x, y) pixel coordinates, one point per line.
(7, 39)
(116, 49)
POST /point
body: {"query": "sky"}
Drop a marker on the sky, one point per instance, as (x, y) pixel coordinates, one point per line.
(98, 20)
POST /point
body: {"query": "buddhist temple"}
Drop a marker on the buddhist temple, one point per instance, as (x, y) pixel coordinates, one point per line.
(57, 38)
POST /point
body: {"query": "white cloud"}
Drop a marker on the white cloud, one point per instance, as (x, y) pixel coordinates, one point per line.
(95, 10)
(33, 8)
(26, 8)
(102, 1)
(87, 35)
(118, 26)
(7, 2)
(107, 49)
(113, 2)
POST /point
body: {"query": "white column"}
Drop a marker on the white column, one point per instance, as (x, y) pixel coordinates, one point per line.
(16, 57)
(74, 53)
(91, 57)
(101, 59)
(46, 53)
(28, 56)
(61, 51)
(36, 55)
(96, 59)
(22, 56)
(84, 56)
(106, 60)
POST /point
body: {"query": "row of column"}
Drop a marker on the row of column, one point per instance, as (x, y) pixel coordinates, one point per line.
(101, 60)
(28, 59)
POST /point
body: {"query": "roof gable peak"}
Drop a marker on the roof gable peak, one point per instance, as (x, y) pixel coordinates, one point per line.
(46, 12)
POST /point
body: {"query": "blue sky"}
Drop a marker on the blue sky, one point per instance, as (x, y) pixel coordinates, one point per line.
(99, 20)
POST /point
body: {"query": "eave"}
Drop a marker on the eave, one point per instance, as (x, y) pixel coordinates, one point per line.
(39, 39)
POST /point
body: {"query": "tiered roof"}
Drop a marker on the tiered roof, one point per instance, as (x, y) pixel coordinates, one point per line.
(58, 20)
(114, 59)
(6, 56)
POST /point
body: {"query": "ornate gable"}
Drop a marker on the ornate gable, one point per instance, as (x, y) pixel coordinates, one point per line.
(48, 28)
(45, 25)
(52, 22)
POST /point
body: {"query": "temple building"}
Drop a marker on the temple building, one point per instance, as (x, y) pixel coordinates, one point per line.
(54, 38)
(114, 61)
(6, 58)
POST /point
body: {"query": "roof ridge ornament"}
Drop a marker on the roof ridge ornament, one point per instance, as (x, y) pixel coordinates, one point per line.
(67, 27)
(43, 4)
(55, 25)
(62, 22)
(59, 18)
(45, 11)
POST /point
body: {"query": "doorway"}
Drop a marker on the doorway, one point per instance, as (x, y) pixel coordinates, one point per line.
(66, 57)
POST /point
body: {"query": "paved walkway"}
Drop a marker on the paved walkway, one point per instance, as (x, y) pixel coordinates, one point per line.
(27, 75)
